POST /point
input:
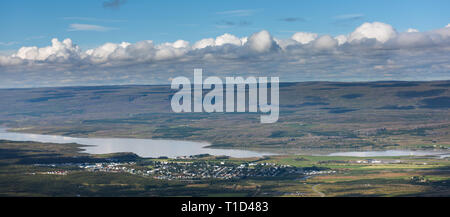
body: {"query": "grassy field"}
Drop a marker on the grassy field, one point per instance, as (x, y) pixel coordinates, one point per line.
(409, 176)
(313, 115)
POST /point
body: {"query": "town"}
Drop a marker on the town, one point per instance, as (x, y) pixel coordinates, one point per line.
(196, 170)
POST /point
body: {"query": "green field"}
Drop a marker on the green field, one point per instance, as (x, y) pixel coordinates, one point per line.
(413, 176)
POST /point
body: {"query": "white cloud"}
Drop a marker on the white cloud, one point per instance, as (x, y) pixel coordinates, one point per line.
(304, 37)
(179, 44)
(57, 51)
(244, 40)
(102, 53)
(303, 56)
(341, 39)
(88, 27)
(220, 41)
(439, 35)
(171, 50)
(412, 30)
(207, 42)
(411, 39)
(380, 31)
(284, 43)
(325, 42)
(261, 42)
(227, 39)
(10, 61)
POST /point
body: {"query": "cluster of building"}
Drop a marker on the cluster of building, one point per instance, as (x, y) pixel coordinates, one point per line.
(208, 170)
(109, 167)
(193, 170)
(375, 161)
(57, 172)
(319, 172)
(186, 170)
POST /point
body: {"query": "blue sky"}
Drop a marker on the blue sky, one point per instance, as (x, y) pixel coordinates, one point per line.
(31, 22)
(103, 42)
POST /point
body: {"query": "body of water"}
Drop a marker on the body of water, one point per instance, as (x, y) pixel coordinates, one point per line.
(142, 147)
(175, 148)
(388, 153)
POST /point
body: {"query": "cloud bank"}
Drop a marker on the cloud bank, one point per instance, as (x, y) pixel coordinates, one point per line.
(373, 51)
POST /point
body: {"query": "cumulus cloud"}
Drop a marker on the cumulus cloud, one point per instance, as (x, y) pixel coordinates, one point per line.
(341, 39)
(380, 31)
(361, 55)
(304, 37)
(261, 42)
(102, 53)
(207, 42)
(325, 42)
(220, 41)
(228, 39)
(57, 51)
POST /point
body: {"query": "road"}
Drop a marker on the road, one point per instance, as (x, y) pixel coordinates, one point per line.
(314, 188)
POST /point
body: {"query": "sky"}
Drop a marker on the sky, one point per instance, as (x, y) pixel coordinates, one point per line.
(93, 42)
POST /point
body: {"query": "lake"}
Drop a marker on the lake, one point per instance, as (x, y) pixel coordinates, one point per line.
(143, 147)
(175, 148)
(388, 153)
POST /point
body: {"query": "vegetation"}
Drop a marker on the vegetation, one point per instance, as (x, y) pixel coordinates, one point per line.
(24, 171)
(313, 116)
